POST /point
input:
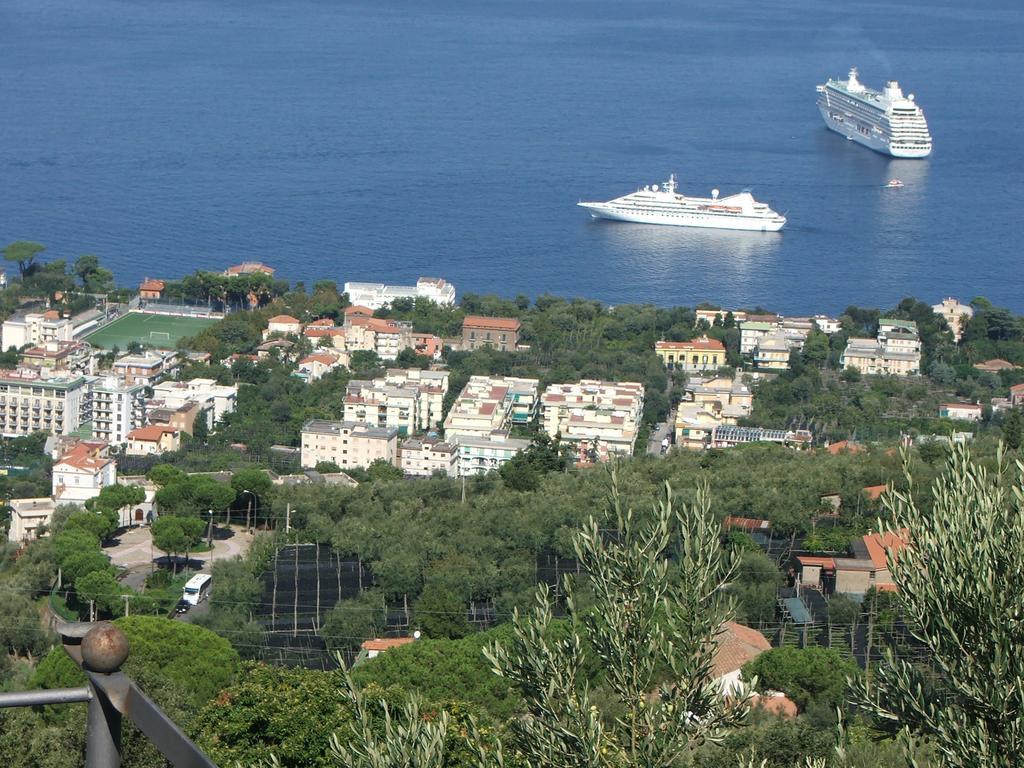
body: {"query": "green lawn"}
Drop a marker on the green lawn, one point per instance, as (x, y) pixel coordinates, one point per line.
(160, 331)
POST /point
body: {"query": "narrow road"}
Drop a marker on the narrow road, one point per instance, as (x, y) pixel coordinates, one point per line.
(659, 433)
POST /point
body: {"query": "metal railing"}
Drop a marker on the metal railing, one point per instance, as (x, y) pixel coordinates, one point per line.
(100, 650)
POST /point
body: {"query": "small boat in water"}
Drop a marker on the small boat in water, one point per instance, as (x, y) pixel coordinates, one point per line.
(894, 184)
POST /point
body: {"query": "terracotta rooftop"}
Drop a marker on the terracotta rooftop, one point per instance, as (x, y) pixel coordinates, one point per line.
(745, 523)
(152, 284)
(151, 434)
(845, 446)
(874, 492)
(282, 319)
(821, 562)
(248, 268)
(879, 543)
(358, 309)
(737, 645)
(492, 323)
(319, 358)
(702, 343)
(386, 643)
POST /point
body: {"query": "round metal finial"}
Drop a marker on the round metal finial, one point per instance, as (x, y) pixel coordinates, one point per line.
(104, 648)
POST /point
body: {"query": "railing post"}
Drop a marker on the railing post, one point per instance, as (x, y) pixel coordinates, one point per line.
(104, 649)
(103, 732)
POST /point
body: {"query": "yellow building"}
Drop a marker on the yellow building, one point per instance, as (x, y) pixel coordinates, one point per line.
(701, 354)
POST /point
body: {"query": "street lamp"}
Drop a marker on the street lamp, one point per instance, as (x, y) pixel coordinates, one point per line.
(248, 509)
(209, 530)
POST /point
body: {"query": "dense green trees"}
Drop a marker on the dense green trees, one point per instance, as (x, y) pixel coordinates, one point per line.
(809, 676)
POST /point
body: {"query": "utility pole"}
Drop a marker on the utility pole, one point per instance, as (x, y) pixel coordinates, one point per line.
(287, 517)
(126, 599)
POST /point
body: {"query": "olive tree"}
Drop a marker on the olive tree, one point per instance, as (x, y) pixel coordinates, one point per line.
(651, 625)
(959, 586)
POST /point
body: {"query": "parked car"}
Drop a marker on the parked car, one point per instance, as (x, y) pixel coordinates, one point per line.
(182, 606)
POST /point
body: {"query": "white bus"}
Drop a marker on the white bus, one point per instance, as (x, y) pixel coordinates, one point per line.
(197, 589)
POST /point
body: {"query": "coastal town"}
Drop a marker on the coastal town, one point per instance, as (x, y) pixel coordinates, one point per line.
(194, 425)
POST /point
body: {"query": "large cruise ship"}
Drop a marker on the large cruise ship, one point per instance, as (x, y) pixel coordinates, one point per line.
(661, 205)
(886, 121)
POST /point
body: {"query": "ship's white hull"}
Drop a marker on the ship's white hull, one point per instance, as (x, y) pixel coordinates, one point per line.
(686, 219)
(873, 140)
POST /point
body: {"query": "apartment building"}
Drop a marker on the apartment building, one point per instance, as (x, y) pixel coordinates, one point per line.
(385, 337)
(59, 356)
(956, 315)
(895, 351)
(82, 472)
(35, 328)
(599, 419)
(701, 354)
(731, 398)
(347, 444)
(481, 455)
(146, 369)
(183, 418)
(827, 325)
(216, 399)
(752, 331)
(30, 403)
(377, 295)
(116, 408)
(772, 352)
(490, 404)
(713, 316)
(423, 457)
(695, 423)
(409, 400)
(502, 333)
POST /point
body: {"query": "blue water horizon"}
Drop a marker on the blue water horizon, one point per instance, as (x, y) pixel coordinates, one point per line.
(383, 141)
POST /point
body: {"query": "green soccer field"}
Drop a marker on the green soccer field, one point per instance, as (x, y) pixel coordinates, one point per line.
(159, 331)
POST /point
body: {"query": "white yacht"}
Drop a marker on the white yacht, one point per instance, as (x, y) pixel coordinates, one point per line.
(655, 204)
(885, 121)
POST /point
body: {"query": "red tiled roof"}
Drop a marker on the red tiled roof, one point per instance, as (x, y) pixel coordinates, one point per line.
(282, 319)
(880, 543)
(150, 434)
(358, 309)
(319, 358)
(492, 323)
(702, 343)
(385, 643)
(323, 322)
(845, 446)
(737, 645)
(151, 284)
(875, 492)
(775, 705)
(85, 455)
(821, 562)
(1017, 388)
(248, 267)
(968, 406)
(318, 333)
(746, 523)
(51, 314)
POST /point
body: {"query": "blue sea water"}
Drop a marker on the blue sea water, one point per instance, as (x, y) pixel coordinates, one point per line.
(384, 140)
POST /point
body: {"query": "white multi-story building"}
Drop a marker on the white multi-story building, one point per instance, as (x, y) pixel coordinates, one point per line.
(731, 399)
(896, 351)
(599, 419)
(753, 330)
(116, 408)
(407, 400)
(347, 444)
(216, 399)
(30, 403)
(82, 473)
(35, 328)
(422, 457)
(490, 404)
(385, 337)
(827, 325)
(772, 352)
(480, 455)
(377, 295)
(146, 368)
